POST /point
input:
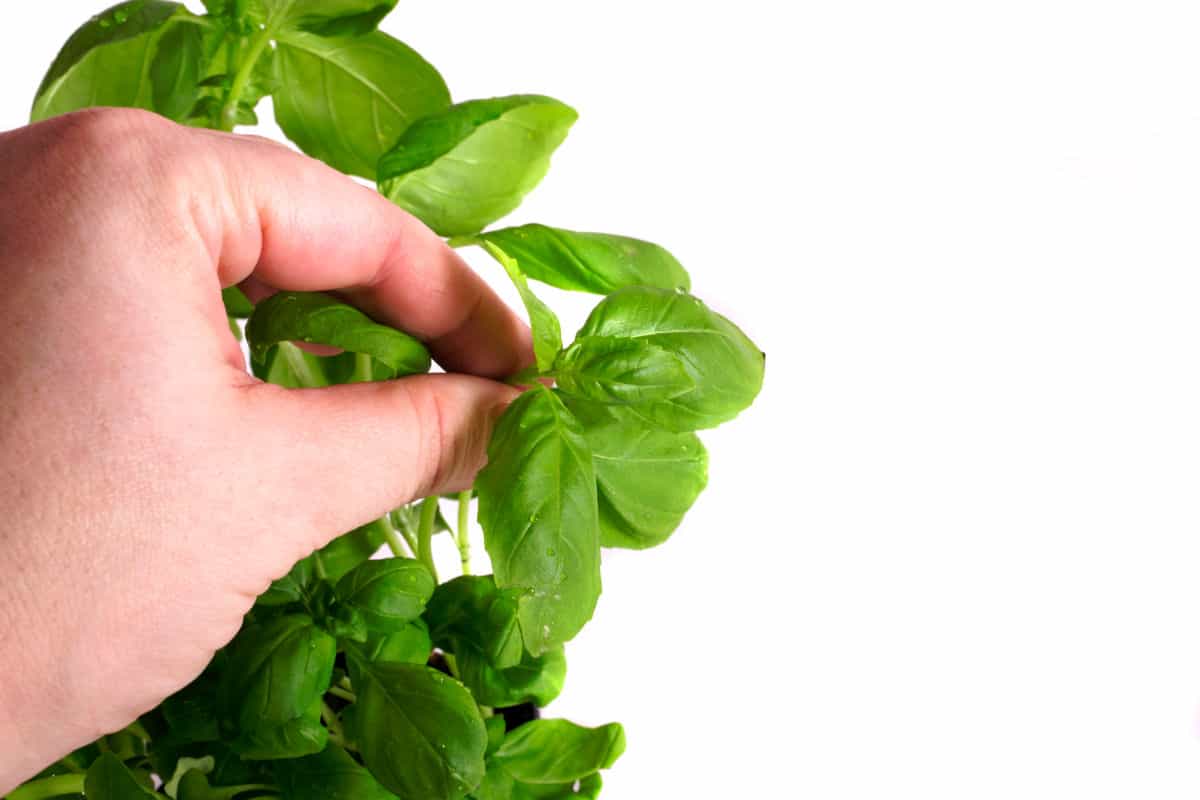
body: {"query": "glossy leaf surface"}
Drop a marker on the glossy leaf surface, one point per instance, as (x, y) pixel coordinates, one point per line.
(600, 263)
(558, 751)
(462, 169)
(537, 506)
(725, 366)
(607, 369)
(389, 593)
(347, 100)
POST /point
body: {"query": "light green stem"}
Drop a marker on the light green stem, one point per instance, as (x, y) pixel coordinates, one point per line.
(331, 721)
(54, 786)
(242, 79)
(526, 377)
(362, 368)
(464, 531)
(429, 509)
(345, 694)
(394, 542)
(300, 367)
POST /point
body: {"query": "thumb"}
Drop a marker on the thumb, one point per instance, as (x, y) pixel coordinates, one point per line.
(328, 460)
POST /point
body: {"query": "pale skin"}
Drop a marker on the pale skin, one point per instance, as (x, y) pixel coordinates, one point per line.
(150, 488)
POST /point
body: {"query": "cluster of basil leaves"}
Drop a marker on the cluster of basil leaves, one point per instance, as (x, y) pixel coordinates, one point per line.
(355, 677)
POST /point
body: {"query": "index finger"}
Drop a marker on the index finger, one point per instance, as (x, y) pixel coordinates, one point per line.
(293, 223)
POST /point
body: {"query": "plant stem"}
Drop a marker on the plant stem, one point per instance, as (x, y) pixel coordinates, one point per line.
(54, 786)
(394, 542)
(429, 509)
(348, 696)
(526, 377)
(331, 721)
(362, 368)
(245, 72)
(464, 531)
(303, 371)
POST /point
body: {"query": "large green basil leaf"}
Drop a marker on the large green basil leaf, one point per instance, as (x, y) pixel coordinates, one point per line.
(558, 751)
(271, 693)
(462, 169)
(175, 70)
(470, 613)
(544, 324)
(410, 645)
(607, 369)
(600, 263)
(389, 593)
(536, 679)
(237, 305)
(418, 730)
(726, 367)
(331, 774)
(325, 17)
(346, 101)
(537, 507)
(647, 478)
(317, 318)
(295, 587)
(107, 61)
(109, 779)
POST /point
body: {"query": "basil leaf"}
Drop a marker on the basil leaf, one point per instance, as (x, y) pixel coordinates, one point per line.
(537, 507)
(724, 364)
(389, 593)
(295, 587)
(175, 71)
(558, 751)
(536, 679)
(547, 332)
(647, 478)
(497, 785)
(351, 549)
(191, 713)
(331, 774)
(600, 263)
(472, 164)
(325, 17)
(237, 305)
(109, 779)
(606, 369)
(410, 645)
(419, 731)
(317, 318)
(271, 693)
(106, 62)
(346, 101)
(470, 613)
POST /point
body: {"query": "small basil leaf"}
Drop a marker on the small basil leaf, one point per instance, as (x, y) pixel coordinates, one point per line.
(317, 318)
(462, 169)
(175, 71)
(389, 593)
(271, 693)
(606, 369)
(497, 784)
(295, 587)
(419, 731)
(724, 364)
(351, 549)
(647, 478)
(537, 507)
(325, 17)
(409, 645)
(109, 779)
(105, 62)
(331, 774)
(558, 751)
(536, 679)
(237, 305)
(469, 612)
(346, 101)
(600, 263)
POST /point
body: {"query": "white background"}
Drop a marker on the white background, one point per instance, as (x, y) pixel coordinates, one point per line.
(953, 550)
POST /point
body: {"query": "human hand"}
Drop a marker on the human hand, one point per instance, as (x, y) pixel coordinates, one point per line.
(150, 488)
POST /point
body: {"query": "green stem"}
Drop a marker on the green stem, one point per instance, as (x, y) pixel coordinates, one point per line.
(242, 79)
(464, 531)
(348, 696)
(429, 509)
(362, 368)
(331, 721)
(300, 367)
(526, 377)
(394, 542)
(54, 786)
